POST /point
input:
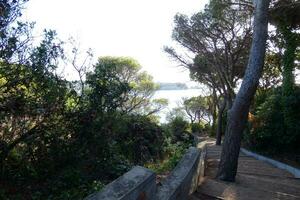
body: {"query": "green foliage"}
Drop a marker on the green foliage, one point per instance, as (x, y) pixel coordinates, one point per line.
(177, 139)
(61, 142)
(118, 83)
(268, 132)
(179, 127)
(219, 50)
(31, 96)
(284, 16)
(271, 76)
(174, 113)
(12, 35)
(197, 127)
(140, 139)
(106, 87)
(273, 126)
(197, 109)
(173, 154)
(57, 143)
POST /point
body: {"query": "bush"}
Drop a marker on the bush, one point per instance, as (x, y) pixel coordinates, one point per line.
(174, 153)
(140, 139)
(180, 130)
(267, 130)
(197, 127)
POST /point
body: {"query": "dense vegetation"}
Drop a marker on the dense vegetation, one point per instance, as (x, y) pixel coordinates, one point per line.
(63, 139)
(219, 40)
(267, 132)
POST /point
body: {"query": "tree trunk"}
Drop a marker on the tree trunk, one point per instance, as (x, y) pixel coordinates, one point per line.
(229, 100)
(214, 113)
(237, 116)
(214, 123)
(220, 117)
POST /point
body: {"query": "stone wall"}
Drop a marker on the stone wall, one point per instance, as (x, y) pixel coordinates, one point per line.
(140, 183)
(183, 180)
(137, 184)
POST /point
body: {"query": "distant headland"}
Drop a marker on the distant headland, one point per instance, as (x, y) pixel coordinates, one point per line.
(175, 86)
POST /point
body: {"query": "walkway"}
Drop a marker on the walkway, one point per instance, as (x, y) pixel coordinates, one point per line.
(255, 180)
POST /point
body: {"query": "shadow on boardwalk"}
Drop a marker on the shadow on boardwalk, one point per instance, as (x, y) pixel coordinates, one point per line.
(255, 180)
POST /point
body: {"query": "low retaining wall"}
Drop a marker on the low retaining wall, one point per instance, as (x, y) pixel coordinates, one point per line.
(183, 180)
(139, 183)
(292, 170)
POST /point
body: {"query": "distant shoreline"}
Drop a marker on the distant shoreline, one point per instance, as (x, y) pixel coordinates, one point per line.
(165, 89)
(175, 86)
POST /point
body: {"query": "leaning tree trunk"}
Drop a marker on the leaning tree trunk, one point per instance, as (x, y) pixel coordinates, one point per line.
(220, 127)
(237, 116)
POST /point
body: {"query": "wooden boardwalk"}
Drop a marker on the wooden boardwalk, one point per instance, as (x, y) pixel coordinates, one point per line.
(255, 180)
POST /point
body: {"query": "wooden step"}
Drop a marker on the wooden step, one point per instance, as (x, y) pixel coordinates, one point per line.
(235, 191)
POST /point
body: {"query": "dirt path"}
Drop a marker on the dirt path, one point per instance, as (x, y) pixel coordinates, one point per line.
(255, 180)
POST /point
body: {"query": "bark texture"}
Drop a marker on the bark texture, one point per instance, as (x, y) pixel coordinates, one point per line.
(220, 127)
(238, 114)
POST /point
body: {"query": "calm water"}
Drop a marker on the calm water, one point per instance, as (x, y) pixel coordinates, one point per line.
(175, 98)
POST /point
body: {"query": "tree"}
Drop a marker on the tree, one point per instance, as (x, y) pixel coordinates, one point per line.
(285, 15)
(129, 89)
(82, 63)
(221, 107)
(106, 87)
(197, 109)
(271, 76)
(30, 94)
(218, 39)
(174, 113)
(237, 116)
(44, 118)
(15, 36)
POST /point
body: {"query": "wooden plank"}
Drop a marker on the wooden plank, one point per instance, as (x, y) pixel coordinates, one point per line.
(255, 180)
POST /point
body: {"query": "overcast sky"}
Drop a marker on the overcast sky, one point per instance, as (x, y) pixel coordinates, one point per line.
(135, 28)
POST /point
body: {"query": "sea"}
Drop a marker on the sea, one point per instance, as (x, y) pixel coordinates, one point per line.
(174, 98)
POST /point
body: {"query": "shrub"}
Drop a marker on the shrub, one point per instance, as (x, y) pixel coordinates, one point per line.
(267, 130)
(197, 127)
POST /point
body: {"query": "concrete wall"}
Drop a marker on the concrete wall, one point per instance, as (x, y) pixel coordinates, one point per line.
(184, 179)
(137, 184)
(292, 170)
(140, 183)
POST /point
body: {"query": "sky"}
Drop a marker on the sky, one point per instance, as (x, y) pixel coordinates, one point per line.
(134, 28)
